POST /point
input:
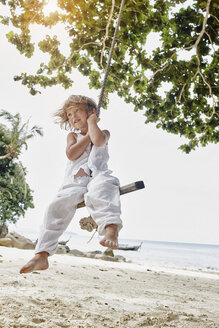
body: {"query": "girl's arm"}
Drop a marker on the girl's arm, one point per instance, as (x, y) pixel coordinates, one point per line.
(75, 149)
(97, 136)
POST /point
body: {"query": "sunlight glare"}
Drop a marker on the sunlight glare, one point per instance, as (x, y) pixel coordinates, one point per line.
(50, 7)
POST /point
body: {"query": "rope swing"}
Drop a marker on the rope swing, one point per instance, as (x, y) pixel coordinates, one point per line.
(88, 223)
(110, 57)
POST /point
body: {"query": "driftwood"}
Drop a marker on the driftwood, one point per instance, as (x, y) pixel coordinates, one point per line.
(124, 190)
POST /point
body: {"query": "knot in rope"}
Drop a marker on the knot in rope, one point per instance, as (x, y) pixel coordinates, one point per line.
(88, 224)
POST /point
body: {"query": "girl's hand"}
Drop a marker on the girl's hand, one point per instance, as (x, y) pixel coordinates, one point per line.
(92, 118)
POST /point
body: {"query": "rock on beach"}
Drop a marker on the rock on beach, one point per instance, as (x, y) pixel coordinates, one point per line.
(14, 239)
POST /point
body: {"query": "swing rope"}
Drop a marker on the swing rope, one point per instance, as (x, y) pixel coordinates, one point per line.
(110, 57)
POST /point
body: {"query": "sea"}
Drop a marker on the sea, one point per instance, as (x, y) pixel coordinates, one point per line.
(154, 254)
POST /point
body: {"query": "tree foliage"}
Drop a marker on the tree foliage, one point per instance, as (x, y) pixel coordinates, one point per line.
(18, 135)
(189, 107)
(15, 194)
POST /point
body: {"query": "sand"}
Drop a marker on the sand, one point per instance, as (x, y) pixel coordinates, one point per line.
(88, 293)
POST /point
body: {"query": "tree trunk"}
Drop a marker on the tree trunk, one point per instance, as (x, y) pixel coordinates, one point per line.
(3, 230)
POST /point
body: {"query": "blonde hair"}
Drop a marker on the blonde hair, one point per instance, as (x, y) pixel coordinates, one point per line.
(83, 102)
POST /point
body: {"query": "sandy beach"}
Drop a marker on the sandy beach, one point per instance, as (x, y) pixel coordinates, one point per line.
(89, 293)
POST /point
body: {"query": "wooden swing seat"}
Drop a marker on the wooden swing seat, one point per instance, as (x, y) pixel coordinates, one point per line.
(124, 190)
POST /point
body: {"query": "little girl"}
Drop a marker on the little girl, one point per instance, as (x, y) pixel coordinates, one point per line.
(87, 178)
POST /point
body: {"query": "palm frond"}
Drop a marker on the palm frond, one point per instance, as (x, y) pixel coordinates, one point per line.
(8, 116)
(23, 128)
(19, 132)
(37, 130)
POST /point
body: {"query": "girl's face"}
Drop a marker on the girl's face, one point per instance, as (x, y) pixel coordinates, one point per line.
(77, 117)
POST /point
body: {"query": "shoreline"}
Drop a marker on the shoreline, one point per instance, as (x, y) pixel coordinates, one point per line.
(156, 255)
(11, 254)
(90, 293)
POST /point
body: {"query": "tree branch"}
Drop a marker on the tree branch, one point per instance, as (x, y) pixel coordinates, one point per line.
(211, 43)
(215, 17)
(195, 45)
(198, 59)
(204, 24)
(181, 92)
(5, 156)
(166, 65)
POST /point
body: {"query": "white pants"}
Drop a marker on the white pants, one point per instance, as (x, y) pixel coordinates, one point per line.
(102, 199)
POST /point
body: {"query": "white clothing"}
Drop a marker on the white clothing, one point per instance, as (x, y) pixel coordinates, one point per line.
(99, 191)
(73, 167)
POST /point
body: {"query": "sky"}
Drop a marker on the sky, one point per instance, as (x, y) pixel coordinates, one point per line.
(180, 199)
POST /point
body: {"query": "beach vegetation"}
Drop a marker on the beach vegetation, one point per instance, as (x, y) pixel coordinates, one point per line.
(165, 61)
(18, 134)
(15, 194)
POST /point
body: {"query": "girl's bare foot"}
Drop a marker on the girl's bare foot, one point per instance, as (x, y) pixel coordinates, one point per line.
(38, 262)
(110, 239)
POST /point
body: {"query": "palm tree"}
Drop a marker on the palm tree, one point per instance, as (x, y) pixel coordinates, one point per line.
(18, 134)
